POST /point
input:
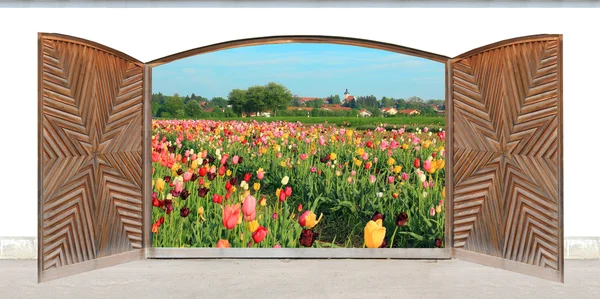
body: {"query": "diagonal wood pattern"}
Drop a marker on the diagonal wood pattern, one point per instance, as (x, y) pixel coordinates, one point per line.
(91, 156)
(505, 103)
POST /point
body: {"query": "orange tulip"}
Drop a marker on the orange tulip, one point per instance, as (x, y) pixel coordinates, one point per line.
(223, 244)
(231, 214)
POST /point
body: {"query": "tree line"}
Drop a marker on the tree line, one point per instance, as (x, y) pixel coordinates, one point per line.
(276, 98)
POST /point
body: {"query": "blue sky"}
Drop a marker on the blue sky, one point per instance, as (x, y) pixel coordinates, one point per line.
(308, 70)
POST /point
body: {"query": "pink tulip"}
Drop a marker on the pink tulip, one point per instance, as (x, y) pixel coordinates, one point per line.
(404, 176)
(353, 172)
(427, 165)
(235, 160)
(372, 179)
(277, 246)
(249, 208)
(288, 191)
(425, 130)
(303, 157)
(179, 187)
(432, 212)
(313, 169)
(187, 176)
(391, 179)
(260, 175)
(431, 184)
(425, 184)
(224, 159)
(194, 157)
(187, 153)
(365, 156)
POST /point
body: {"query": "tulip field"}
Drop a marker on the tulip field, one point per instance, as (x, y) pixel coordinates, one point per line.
(261, 184)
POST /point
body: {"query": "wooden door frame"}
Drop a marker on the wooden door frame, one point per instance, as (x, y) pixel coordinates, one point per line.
(296, 253)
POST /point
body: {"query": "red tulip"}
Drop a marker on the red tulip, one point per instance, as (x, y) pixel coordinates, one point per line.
(418, 162)
(217, 198)
(302, 218)
(202, 171)
(222, 170)
(247, 177)
(259, 234)
(228, 186)
(288, 191)
(281, 196)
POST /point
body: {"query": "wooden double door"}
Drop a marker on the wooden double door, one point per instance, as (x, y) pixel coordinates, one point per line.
(504, 153)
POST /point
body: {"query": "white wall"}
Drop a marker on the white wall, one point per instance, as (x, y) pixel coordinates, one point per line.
(152, 33)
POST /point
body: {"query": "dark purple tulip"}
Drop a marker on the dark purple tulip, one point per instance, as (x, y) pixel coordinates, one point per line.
(184, 194)
(194, 177)
(438, 242)
(211, 176)
(377, 216)
(401, 219)
(202, 191)
(167, 179)
(179, 171)
(184, 212)
(307, 237)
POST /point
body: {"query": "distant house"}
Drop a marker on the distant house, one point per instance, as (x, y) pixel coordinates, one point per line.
(257, 114)
(365, 113)
(335, 107)
(209, 109)
(389, 111)
(292, 108)
(409, 111)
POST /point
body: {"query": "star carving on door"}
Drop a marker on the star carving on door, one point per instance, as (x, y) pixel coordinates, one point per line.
(505, 103)
(91, 153)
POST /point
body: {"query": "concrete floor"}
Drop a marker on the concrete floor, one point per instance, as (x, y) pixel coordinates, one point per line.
(299, 279)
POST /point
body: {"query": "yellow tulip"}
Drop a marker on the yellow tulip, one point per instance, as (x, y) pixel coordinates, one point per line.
(282, 164)
(397, 169)
(332, 156)
(201, 213)
(441, 164)
(194, 164)
(391, 161)
(228, 172)
(256, 186)
(160, 185)
(349, 133)
(438, 209)
(360, 151)
(358, 162)
(253, 225)
(277, 192)
(405, 146)
(263, 202)
(426, 144)
(444, 192)
(374, 233)
(311, 219)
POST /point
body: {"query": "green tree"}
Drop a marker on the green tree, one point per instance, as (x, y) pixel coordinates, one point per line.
(219, 102)
(237, 100)
(193, 109)
(172, 105)
(255, 99)
(318, 103)
(334, 99)
(277, 97)
(387, 102)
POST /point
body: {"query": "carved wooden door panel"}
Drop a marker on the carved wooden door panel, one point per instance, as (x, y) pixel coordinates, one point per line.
(505, 123)
(90, 156)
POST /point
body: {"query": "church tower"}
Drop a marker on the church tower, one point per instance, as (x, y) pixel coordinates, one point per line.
(346, 94)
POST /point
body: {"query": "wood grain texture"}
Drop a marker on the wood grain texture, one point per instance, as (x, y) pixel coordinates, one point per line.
(90, 152)
(506, 152)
